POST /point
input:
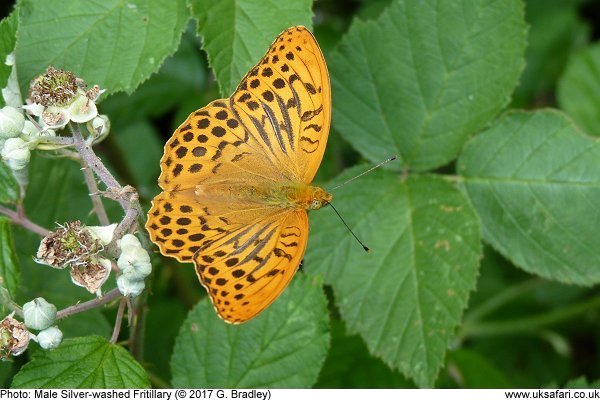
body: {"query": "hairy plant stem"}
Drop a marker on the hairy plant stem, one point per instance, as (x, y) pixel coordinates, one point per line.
(136, 331)
(127, 197)
(88, 305)
(19, 218)
(8, 302)
(91, 159)
(119, 321)
(90, 181)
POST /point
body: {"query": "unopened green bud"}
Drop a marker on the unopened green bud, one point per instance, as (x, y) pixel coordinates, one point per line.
(16, 153)
(130, 288)
(134, 261)
(11, 122)
(39, 314)
(49, 338)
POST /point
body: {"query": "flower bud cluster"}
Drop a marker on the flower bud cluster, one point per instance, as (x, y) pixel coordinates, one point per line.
(135, 266)
(80, 248)
(40, 315)
(58, 96)
(77, 246)
(55, 98)
(15, 150)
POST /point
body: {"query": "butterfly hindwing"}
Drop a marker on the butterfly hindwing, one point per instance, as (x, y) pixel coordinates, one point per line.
(181, 223)
(245, 270)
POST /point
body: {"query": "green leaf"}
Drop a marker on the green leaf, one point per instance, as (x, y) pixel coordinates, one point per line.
(9, 263)
(556, 29)
(116, 44)
(238, 32)
(285, 346)
(87, 362)
(350, 366)
(9, 188)
(524, 360)
(582, 383)
(472, 371)
(7, 371)
(534, 180)
(8, 35)
(426, 75)
(180, 77)
(406, 297)
(578, 89)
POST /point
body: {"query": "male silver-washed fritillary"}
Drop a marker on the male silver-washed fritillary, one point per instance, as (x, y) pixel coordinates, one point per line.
(236, 179)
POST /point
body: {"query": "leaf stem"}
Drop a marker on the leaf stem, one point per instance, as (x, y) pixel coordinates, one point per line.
(136, 330)
(531, 322)
(452, 178)
(22, 220)
(8, 302)
(57, 140)
(88, 305)
(502, 298)
(158, 382)
(119, 321)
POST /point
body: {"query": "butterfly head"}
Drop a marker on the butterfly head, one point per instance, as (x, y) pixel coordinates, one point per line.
(318, 198)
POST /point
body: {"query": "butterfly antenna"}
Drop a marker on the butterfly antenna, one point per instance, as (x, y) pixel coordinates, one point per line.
(368, 250)
(392, 158)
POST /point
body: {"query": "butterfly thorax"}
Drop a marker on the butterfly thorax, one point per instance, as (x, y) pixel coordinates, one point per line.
(300, 195)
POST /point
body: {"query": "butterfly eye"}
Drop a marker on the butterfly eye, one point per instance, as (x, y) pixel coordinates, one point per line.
(316, 204)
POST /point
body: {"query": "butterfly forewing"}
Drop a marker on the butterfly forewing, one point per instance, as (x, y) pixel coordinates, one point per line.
(212, 146)
(219, 170)
(285, 100)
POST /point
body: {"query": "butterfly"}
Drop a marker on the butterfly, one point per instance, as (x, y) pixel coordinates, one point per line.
(236, 179)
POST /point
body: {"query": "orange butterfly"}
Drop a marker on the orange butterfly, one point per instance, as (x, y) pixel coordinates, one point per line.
(236, 179)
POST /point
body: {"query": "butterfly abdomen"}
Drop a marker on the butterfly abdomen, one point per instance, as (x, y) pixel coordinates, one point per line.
(288, 195)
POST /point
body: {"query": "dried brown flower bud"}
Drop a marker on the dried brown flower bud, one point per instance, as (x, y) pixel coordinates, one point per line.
(94, 92)
(14, 337)
(92, 275)
(55, 87)
(54, 119)
(69, 245)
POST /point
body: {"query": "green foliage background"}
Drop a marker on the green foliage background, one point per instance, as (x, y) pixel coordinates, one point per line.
(485, 246)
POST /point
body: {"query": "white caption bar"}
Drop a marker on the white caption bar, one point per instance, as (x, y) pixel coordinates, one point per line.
(300, 394)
